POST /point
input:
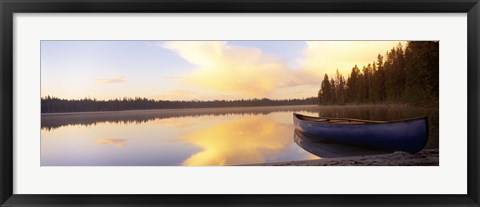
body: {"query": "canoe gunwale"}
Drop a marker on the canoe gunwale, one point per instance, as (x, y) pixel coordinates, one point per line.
(361, 121)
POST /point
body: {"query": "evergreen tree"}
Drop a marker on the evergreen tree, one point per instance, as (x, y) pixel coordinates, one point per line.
(407, 75)
(333, 92)
(340, 88)
(325, 92)
(421, 71)
(380, 80)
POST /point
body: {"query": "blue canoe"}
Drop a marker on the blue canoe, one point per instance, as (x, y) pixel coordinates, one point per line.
(326, 149)
(409, 135)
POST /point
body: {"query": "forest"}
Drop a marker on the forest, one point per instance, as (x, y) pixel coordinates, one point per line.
(55, 105)
(407, 74)
(404, 75)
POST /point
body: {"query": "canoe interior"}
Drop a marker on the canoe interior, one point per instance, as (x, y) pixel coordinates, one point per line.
(347, 120)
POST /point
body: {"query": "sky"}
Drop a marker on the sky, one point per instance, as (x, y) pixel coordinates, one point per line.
(198, 70)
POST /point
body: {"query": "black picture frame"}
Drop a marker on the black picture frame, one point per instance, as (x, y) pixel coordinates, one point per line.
(9, 7)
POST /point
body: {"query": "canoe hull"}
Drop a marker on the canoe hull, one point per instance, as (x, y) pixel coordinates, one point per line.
(406, 135)
(332, 149)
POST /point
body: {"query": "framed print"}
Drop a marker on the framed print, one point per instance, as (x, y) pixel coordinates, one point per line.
(239, 103)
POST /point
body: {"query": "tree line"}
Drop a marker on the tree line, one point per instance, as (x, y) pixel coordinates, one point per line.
(407, 75)
(55, 105)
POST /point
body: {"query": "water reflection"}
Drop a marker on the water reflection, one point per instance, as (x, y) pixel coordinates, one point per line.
(226, 136)
(114, 142)
(53, 121)
(248, 140)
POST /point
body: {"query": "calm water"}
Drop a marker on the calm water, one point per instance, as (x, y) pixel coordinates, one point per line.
(225, 136)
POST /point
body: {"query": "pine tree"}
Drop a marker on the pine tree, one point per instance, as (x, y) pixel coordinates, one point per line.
(325, 92)
(380, 79)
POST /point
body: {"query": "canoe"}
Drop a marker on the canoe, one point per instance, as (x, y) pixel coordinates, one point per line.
(409, 135)
(326, 149)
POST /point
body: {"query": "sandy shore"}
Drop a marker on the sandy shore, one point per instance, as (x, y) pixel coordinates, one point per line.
(426, 157)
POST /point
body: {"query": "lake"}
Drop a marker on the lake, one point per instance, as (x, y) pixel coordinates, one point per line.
(192, 137)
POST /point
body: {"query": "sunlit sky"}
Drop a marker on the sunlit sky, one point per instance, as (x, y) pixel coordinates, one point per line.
(198, 70)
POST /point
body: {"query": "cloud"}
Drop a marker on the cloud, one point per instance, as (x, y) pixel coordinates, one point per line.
(240, 70)
(327, 56)
(116, 79)
(251, 73)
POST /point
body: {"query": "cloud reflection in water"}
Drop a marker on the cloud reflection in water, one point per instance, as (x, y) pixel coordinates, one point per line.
(249, 140)
(116, 142)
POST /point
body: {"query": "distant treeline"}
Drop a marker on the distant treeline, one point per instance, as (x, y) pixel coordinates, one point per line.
(407, 75)
(53, 104)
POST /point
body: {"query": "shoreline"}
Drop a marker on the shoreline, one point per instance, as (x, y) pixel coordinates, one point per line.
(206, 109)
(426, 157)
(226, 109)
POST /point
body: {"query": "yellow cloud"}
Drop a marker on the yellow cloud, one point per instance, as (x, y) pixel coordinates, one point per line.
(327, 56)
(116, 79)
(248, 72)
(241, 70)
(250, 140)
